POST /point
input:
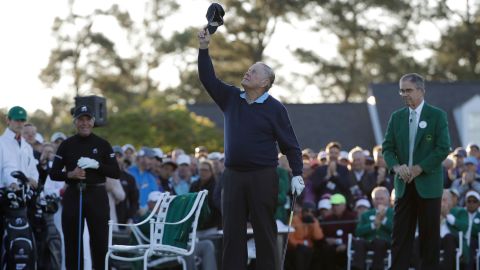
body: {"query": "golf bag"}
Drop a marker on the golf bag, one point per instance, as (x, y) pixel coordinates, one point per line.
(18, 251)
(48, 239)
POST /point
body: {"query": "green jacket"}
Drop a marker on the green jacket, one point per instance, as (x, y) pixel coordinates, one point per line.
(461, 221)
(283, 187)
(367, 231)
(177, 235)
(432, 145)
(475, 225)
(460, 225)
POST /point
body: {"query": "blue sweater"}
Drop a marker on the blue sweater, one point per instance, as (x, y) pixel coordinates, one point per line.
(146, 183)
(252, 131)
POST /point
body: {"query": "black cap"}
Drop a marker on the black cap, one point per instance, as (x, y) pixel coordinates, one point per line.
(308, 206)
(214, 16)
(82, 110)
(168, 161)
(460, 151)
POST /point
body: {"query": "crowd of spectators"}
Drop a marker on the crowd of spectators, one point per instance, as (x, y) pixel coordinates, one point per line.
(354, 194)
(347, 193)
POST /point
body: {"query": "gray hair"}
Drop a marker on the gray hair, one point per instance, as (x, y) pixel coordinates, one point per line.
(415, 78)
(356, 149)
(270, 75)
(380, 188)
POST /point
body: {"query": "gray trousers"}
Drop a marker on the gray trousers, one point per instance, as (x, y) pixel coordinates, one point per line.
(205, 254)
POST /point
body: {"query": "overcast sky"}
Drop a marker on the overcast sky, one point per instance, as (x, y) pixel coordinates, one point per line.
(25, 26)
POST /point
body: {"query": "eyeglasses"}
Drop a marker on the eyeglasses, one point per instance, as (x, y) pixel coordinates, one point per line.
(403, 92)
(472, 201)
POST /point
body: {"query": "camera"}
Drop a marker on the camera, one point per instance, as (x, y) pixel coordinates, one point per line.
(307, 218)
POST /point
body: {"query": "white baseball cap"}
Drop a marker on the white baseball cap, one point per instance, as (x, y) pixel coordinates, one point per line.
(343, 155)
(39, 137)
(158, 152)
(128, 146)
(324, 204)
(322, 155)
(154, 196)
(214, 156)
(473, 193)
(183, 159)
(58, 135)
(362, 202)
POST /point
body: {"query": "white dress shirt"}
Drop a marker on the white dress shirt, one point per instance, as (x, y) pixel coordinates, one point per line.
(470, 223)
(52, 187)
(16, 157)
(359, 175)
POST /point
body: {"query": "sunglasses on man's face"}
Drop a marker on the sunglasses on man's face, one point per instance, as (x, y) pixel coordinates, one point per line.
(472, 201)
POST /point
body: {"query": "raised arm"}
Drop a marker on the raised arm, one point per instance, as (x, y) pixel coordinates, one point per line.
(217, 89)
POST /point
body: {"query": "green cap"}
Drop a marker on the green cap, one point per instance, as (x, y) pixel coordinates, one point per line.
(17, 113)
(338, 199)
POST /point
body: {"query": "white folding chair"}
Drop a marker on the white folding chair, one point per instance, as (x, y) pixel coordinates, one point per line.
(459, 250)
(477, 255)
(370, 254)
(159, 245)
(156, 244)
(349, 251)
(129, 251)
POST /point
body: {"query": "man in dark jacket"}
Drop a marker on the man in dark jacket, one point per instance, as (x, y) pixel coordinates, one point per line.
(126, 209)
(84, 161)
(255, 125)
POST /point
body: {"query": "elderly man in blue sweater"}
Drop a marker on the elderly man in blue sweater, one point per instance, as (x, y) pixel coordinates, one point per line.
(255, 123)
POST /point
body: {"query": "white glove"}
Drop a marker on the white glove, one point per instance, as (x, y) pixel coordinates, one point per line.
(297, 185)
(91, 164)
(82, 162)
(88, 163)
(450, 219)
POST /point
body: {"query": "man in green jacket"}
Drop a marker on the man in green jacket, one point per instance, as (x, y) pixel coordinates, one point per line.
(373, 231)
(472, 200)
(416, 142)
(453, 220)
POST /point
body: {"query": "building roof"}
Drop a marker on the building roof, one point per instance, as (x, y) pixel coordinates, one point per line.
(317, 124)
(349, 123)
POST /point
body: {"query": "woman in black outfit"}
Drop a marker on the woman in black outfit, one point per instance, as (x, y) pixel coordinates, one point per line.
(207, 181)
